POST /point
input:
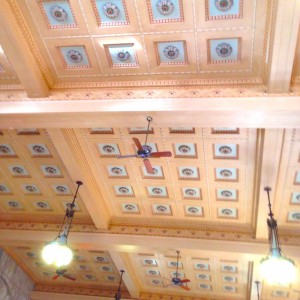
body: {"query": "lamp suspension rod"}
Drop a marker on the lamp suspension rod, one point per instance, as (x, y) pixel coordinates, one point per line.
(79, 183)
(149, 119)
(257, 288)
(268, 189)
(177, 263)
(120, 282)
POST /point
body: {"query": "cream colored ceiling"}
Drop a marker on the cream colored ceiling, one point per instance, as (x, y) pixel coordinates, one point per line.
(249, 104)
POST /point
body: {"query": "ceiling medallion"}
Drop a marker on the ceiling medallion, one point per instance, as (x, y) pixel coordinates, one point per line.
(129, 207)
(187, 172)
(61, 189)
(31, 189)
(123, 190)
(13, 204)
(41, 205)
(161, 208)
(4, 149)
(190, 192)
(227, 211)
(171, 52)
(226, 173)
(224, 5)
(224, 50)
(296, 216)
(58, 13)
(51, 170)
(123, 55)
(75, 56)
(110, 10)
(116, 170)
(193, 210)
(157, 191)
(225, 150)
(184, 149)
(226, 194)
(18, 170)
(109, 149)
(38, 149)
(3, 189)
(165, 7)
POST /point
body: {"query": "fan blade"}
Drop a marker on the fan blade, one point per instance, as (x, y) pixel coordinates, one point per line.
(185, 280)
(185, 287)
(161, 154)
(148, 166)
(69, 277)
(125, 156)
(138, 144)
(55, 277)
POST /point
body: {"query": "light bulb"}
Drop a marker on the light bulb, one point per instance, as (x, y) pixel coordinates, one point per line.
(278, 270)
(57, 254)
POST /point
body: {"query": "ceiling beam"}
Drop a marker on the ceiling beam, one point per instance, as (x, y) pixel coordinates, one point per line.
(143, 244)
(77, 168)
(282, 44)
(252, 112)
(17, 51)
(36, 295)
(121, 262)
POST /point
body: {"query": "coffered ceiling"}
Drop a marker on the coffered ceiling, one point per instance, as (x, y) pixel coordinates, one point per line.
(220, 78)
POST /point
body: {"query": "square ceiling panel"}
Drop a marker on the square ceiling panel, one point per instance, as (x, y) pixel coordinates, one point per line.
(171, 53)
(121, 55)
(165, 11)
(225, 50)
(58, 14)
(130, 208)
(110, 13)
(226, 174)
(223, 9)
(226, 151)
(7, 151)
(74, 57)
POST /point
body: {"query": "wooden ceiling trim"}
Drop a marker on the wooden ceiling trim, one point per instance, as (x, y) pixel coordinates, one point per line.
(282, 44)
(20, 55)
(75, 162)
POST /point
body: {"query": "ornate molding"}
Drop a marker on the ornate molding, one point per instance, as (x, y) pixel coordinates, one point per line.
(140, 92)
(30, 41)
(78, 290)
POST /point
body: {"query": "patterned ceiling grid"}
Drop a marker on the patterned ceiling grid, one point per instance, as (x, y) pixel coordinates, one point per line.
(206, 180)
(149, 39)
(34, 184)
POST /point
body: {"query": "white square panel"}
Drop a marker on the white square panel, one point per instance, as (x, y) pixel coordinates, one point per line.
(39, 150)
(185, 150)
(191, 193)
(226, 151)
(193, 211)
(157, 191)
(7, 151)
(227, 212)
(226, 174)
(51, 171)
(161, 209)
(109, 150)
(123, 191)
(188, 173)
(130, 208)
(228, 268)
(227, 194)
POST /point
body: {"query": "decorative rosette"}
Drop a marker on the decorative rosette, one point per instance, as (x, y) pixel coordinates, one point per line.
(226, 173)
(187, 172)
(224, 5)
(75, 56)
(58, 13)
(224, 50)
(165, 7)
(111, 10)
(226, 194)
(171, 52)
(123, 55)
(184, 149)
(108, 149)
(225, 150)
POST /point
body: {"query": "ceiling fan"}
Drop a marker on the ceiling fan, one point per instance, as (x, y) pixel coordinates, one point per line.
(62, 273)
(176, 281)
(144, 151)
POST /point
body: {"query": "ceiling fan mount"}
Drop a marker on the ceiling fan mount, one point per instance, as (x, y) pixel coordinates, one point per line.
(62, 273)
(145, 151)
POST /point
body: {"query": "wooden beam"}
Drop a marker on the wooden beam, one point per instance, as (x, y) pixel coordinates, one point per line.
(143, 244)
(278, 112)
(121, 261)
(16, 49)
(77, 169)
(282, 44)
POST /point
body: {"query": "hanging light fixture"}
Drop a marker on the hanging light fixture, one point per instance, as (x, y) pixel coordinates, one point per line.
(118, 293)
(57, 252)
(275, 268)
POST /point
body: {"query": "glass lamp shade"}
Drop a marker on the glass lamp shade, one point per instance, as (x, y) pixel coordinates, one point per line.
(278, 270)
(57, 254)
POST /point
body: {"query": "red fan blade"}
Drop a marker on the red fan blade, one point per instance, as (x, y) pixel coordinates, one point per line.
(125, 156)
(138, 144)
(148, 166)
(185, 287)
(185, 280)
(55, 277)
(161, 154)
(69, 277)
